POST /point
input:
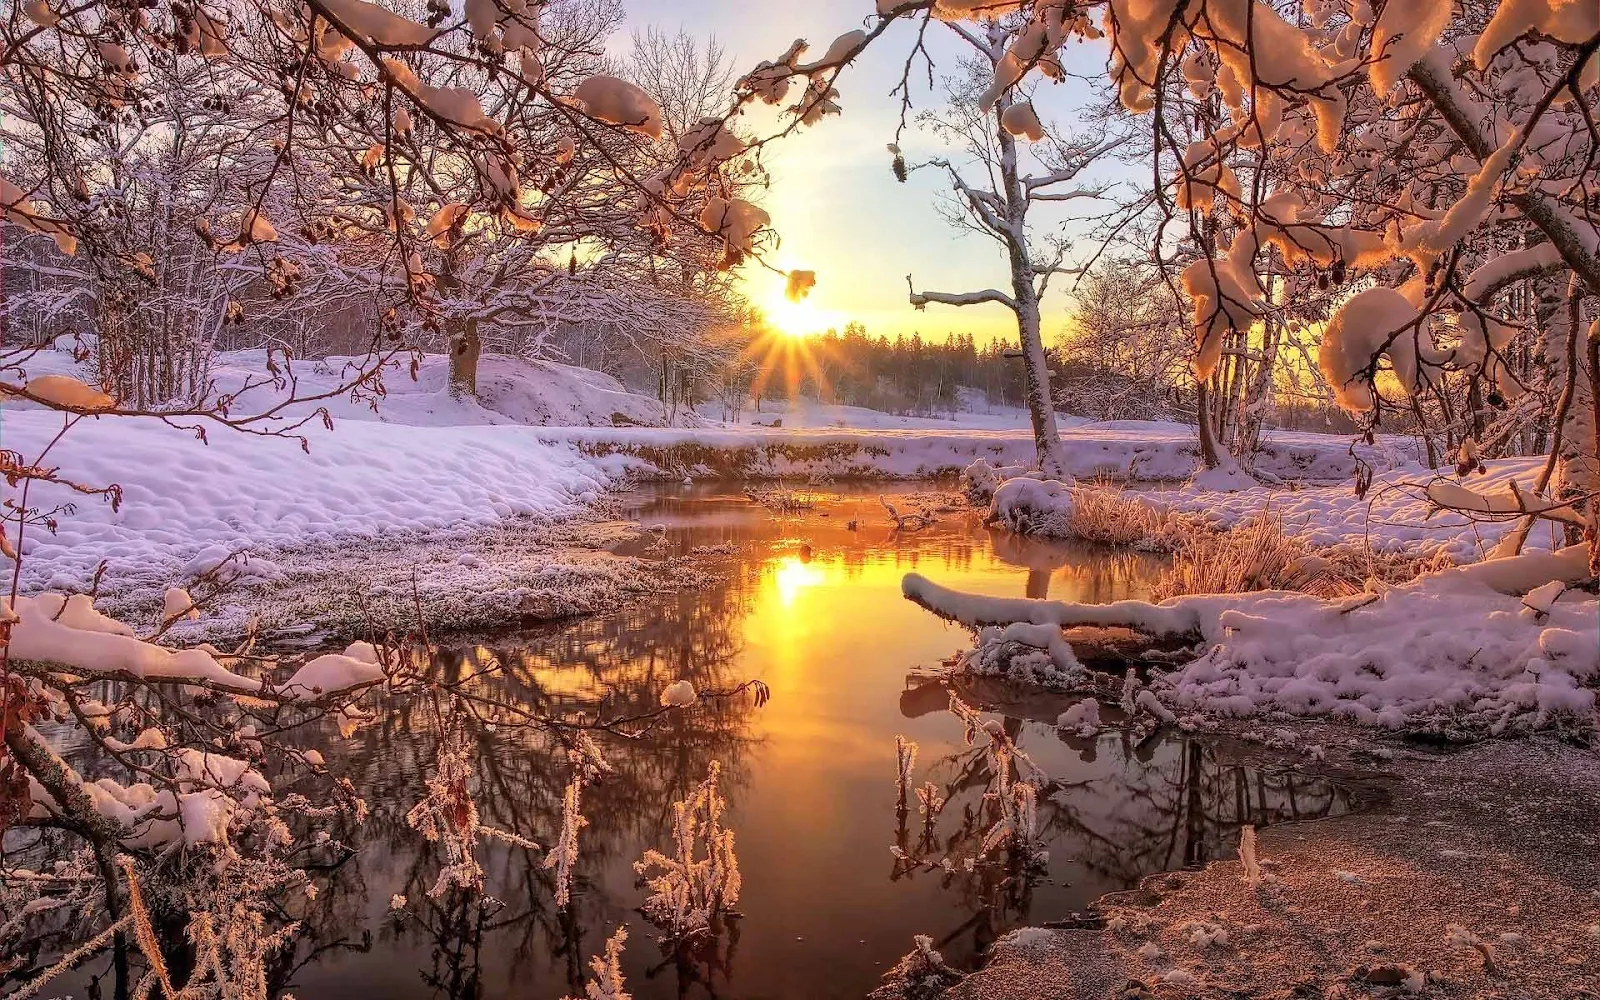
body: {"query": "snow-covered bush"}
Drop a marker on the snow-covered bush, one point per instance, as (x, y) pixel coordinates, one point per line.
(1032, 506)
(692, 888)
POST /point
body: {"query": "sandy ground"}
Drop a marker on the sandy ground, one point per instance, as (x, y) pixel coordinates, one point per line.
(1479, 881)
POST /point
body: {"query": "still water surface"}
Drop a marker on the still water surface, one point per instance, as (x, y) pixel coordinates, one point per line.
(812, 608)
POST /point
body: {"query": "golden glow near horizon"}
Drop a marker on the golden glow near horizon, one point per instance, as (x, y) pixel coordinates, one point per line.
(799, 318)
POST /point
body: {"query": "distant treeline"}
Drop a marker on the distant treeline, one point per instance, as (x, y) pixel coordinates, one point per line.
(909, 375)
(906, 375)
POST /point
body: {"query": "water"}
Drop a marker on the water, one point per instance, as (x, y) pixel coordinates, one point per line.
(812, 608)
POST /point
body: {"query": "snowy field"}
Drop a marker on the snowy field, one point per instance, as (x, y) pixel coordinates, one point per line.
(537, 444)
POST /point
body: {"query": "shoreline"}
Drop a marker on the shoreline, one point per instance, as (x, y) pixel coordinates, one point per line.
(1499, 899)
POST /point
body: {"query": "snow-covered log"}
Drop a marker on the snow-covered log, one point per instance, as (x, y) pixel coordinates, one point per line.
(1456, 648)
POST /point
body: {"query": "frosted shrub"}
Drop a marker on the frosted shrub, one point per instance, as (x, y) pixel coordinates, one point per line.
(448, 814)
(930, 803)
(700, 880)
(1011, 802)
(607, 983)
(920, 975)
(565, 854)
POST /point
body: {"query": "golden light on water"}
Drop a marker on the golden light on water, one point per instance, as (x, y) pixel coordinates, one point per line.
(794, 576)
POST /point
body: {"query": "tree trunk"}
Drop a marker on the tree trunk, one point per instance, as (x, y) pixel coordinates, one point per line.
(1210, 455)
(1036, 370)
(1578, 469)
(1035, 365)
(465, 348)
(1258, 391)
(463, 342)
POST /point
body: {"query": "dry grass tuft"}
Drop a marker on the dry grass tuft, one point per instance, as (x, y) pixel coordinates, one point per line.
(1101, 514)
(1259, 555)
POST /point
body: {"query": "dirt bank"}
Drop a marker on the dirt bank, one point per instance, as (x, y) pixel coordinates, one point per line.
(1482, 880)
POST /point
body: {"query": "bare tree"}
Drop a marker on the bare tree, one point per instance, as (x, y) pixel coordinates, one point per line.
(996, 183)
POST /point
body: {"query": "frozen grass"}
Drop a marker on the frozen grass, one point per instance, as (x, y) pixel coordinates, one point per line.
(1259, 554)
(781, 499)
(1104, 514)
(486, 578)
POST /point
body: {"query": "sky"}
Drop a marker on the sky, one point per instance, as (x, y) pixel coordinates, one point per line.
(835, 203)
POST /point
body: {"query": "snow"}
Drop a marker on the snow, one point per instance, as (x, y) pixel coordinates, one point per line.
(1570, 21)
(85, 641)
(182, 499)
(1032, 506)
(176, 603)
(1453, 648)
(1403, 34)
(456, 104)
(66, 391)
(210, 790)
(1021, 120)
(1358, 332)
(840, 51)
(1083, 718)
(1223, 479)
(619, 102)
(1122, 449)
(372, 23)
(679, 694)
(357, 666)
(735, 220)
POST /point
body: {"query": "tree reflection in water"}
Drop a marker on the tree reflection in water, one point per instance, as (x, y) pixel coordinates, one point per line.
(825, 907)
(616, 664)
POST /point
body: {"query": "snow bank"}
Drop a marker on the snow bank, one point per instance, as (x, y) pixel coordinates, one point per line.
(187, 505)
(510, 391)
(1457, 648)
(1123, 449)
(1394, 516)
(1446, 649)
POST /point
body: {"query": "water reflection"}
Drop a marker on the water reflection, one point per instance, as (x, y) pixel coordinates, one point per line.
(813, 608)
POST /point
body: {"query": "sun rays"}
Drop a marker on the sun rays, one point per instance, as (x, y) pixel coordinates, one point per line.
(793, 357)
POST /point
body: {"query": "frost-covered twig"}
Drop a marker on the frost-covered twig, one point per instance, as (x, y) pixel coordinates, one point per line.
(905, 758)
(608, 983)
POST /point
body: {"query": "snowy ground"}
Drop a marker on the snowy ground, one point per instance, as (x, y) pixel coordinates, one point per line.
(538, 444)
(1395, 514)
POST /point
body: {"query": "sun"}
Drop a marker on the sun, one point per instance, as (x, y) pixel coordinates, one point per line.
(794, 319)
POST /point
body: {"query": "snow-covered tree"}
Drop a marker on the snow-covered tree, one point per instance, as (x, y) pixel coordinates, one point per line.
(1124, 353)
(186, 162)
(1003, 166)
(1426, 157)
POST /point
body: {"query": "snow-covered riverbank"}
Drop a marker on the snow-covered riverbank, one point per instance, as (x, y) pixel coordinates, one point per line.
(538, 445)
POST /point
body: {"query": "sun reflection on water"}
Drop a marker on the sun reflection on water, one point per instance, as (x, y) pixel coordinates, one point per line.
(794, 575)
